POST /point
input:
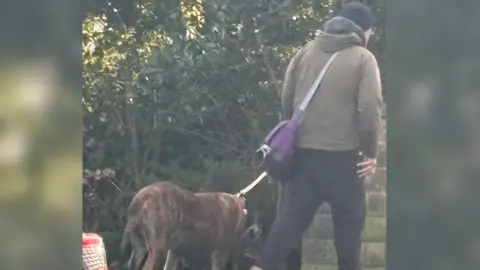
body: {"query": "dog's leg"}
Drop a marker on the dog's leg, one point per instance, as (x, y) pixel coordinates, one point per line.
(219, 259)
(171, 261)
(235, 260)
(131, 260)
(138, 254)
(151, 260)
(136, 260)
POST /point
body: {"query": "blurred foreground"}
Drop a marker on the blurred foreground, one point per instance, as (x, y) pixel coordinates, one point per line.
(40, 136)
(433, 135)
(40, 161)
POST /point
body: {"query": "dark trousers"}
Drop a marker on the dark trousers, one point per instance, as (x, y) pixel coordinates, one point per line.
(320, 176)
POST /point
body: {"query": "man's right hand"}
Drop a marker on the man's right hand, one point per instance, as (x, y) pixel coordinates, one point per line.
(367, 167)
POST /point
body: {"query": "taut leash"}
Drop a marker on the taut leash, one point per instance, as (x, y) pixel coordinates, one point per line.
(252, 185)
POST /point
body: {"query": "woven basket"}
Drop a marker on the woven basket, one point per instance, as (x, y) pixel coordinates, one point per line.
(94, 256)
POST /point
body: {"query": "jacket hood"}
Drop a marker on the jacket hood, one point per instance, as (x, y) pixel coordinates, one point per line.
(340, 33)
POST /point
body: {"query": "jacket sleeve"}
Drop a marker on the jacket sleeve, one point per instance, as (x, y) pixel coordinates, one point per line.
(369, 106)
(288, 91)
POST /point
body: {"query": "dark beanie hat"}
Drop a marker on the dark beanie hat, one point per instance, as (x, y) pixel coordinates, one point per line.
(359, 13)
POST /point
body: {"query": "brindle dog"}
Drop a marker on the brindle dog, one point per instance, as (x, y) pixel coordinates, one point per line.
(166, 220)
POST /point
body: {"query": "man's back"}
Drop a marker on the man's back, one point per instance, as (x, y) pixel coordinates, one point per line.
(342, 119)
(344, 114)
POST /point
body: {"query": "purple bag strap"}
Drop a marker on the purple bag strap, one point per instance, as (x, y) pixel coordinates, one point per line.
(315, 84)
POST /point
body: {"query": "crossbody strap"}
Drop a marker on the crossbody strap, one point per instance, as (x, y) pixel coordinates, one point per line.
(315, 84)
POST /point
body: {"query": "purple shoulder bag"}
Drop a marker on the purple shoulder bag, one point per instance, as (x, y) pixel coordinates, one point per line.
(279, 146)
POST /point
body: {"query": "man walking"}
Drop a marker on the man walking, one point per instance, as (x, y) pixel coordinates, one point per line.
(342, 120)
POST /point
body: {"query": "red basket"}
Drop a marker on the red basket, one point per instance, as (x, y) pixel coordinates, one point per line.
(94, 256)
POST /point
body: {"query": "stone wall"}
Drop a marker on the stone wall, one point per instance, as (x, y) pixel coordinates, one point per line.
(318, 249)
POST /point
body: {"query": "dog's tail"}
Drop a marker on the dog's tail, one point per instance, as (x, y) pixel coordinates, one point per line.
(132, 231)
(133, 244)
(126, 239)
(133, 238)
(133, 218)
